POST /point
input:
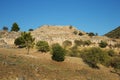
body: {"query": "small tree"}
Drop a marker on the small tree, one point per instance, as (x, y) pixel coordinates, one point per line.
(26, 40)
(103, 44)
(5, 28)
(43, 46)
(15, 27)
(58, 53)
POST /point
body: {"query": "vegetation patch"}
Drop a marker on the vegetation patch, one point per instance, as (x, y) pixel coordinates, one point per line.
(58, 53)
(93, 56)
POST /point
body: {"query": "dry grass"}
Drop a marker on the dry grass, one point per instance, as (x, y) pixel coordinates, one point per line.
(14, 63)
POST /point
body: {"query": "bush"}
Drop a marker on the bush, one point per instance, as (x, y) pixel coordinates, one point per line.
(87, 42)
(5, 28)
(115, 63)
(58, 53)
(93, 56)
(19, 42)
(30, 30)
(103, 44)
(80, 34)
(111, 53)
(67, 44)
(78, 42)
(75, 32)
(70, 27)
(117, 45)
(91, 34)
(74, 52)
(43, 46)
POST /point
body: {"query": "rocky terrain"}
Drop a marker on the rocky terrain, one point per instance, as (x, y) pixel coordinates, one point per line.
(54, 34)
(16, 65)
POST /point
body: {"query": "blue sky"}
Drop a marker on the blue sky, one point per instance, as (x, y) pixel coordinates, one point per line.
(98, 16)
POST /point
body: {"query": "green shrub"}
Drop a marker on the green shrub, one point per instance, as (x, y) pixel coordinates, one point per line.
(31, 30)
(5, 28)
(87, 42)
(80, 34)
(111, 53)
(115, 63)
(103, 44)
(91, 34)
(67, 44)
(19, 42)
(73, 52)
(58, 53)
(75, 32)
(70, 27)
(43, 46)
(93, 56)
(78, 42)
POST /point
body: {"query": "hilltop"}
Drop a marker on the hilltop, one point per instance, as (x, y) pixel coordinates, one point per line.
(114, 33)
(54, 34)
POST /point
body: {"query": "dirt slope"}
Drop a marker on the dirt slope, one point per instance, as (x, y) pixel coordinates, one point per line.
(16, 65)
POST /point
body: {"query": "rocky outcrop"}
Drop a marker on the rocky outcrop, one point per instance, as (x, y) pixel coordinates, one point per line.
(7, 38)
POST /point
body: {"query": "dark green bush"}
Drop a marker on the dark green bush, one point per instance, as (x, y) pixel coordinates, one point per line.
(80, 34)
(103, 44)
(43, 46)
(91, 34)
(58, 53)
(93, 56)
(19, 42)
(5, 28)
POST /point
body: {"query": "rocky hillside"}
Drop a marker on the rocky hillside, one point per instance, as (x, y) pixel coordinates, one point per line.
(53, 34)
(7, 38)
(56, 34)
(114, 33)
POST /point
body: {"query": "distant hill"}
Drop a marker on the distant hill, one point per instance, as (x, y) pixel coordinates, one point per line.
(114, 33)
